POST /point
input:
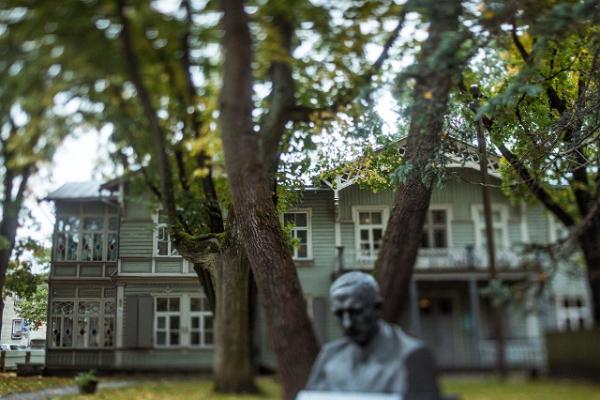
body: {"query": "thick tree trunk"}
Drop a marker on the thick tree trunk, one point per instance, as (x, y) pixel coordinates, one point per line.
(404, 229)
(234, 372)
(8, 231)
(290, 331)
(589, 242)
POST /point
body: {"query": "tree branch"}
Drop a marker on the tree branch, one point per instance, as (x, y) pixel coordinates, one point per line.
(301, 113)
(158, 137)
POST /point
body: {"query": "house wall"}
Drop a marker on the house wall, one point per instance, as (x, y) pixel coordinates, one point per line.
(10, 314)
(142, 275)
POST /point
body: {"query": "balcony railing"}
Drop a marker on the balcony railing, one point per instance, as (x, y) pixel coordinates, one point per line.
(457, 258)
(518, 352)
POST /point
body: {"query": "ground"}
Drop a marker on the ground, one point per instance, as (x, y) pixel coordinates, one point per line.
(469, 388)
(9, 383)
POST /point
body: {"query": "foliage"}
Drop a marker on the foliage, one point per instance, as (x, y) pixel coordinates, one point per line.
(84, 378)
(20, 278)
(34, 308)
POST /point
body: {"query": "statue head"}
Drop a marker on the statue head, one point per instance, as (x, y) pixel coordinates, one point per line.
(356, 302)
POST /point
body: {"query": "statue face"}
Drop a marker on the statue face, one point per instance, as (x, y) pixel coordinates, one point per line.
(358, 315)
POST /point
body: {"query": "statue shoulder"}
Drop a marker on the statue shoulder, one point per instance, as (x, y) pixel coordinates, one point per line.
(409, 343)
(333, 347)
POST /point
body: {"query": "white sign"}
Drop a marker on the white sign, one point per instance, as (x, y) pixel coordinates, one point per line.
(314, 395)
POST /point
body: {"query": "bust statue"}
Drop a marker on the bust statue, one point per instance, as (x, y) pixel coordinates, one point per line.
(373, 356)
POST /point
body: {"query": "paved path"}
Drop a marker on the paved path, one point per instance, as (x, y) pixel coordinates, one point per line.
(61, 391)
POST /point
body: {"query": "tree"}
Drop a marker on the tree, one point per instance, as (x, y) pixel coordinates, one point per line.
(31, 125)
(251, 150)
(542, 113)
(435, 73)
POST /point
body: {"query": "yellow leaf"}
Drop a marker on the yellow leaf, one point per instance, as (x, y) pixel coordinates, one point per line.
(428, 95)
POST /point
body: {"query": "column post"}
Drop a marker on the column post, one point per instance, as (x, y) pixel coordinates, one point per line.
(475, 317)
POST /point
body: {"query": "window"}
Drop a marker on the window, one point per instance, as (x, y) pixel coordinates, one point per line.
(300, 233)
(167, 310)
(369, 226)
(182, 321)
(572, 313)
(67, 238)
(499, 226)
(17, 329)
(201, 323)
(163, 244)
(435, 230)
(98, 234)
(82, 322)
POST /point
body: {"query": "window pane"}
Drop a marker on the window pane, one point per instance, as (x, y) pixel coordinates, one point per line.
(364, 218)
(289, 219)
(174, 304)
(439, 238)
(161, 304)
(109, 328)
(302, 251)
(163, 248)
(60, 247)
(73, 241)
(174, 338)
(92, 223)
(377, 234)
(86, 247)
(174, 323)
(195, 323)
(439, 216)
(302, 236)
(98, 246)
(376, 218)
(195, 338)
(364, 234)
(67, 332)
(111, 251)
(161, 323)
(195, 304)
(301, 219)
(208, 322)
(208, 338)
(161, 338)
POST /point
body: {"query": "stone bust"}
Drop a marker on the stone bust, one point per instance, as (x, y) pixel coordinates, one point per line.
(373, 356)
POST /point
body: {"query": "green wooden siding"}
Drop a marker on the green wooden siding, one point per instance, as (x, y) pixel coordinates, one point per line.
(174, 265)
(136, 238)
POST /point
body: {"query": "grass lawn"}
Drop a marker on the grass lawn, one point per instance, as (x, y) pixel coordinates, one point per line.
(9, 383)
(520, 389)
(468, 388)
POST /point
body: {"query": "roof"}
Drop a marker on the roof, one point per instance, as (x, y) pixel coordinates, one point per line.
(91, 190)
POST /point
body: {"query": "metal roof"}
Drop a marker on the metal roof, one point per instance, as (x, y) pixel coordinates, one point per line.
(90, 190)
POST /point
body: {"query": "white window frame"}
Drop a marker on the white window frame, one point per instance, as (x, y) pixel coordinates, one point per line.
(449, 217)
(17, 328)
(308, 228)
(185, 315)
(385, 212)
(167, 315)
(102, 315)
(501, 243)
(157, 226)
(564, 314)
